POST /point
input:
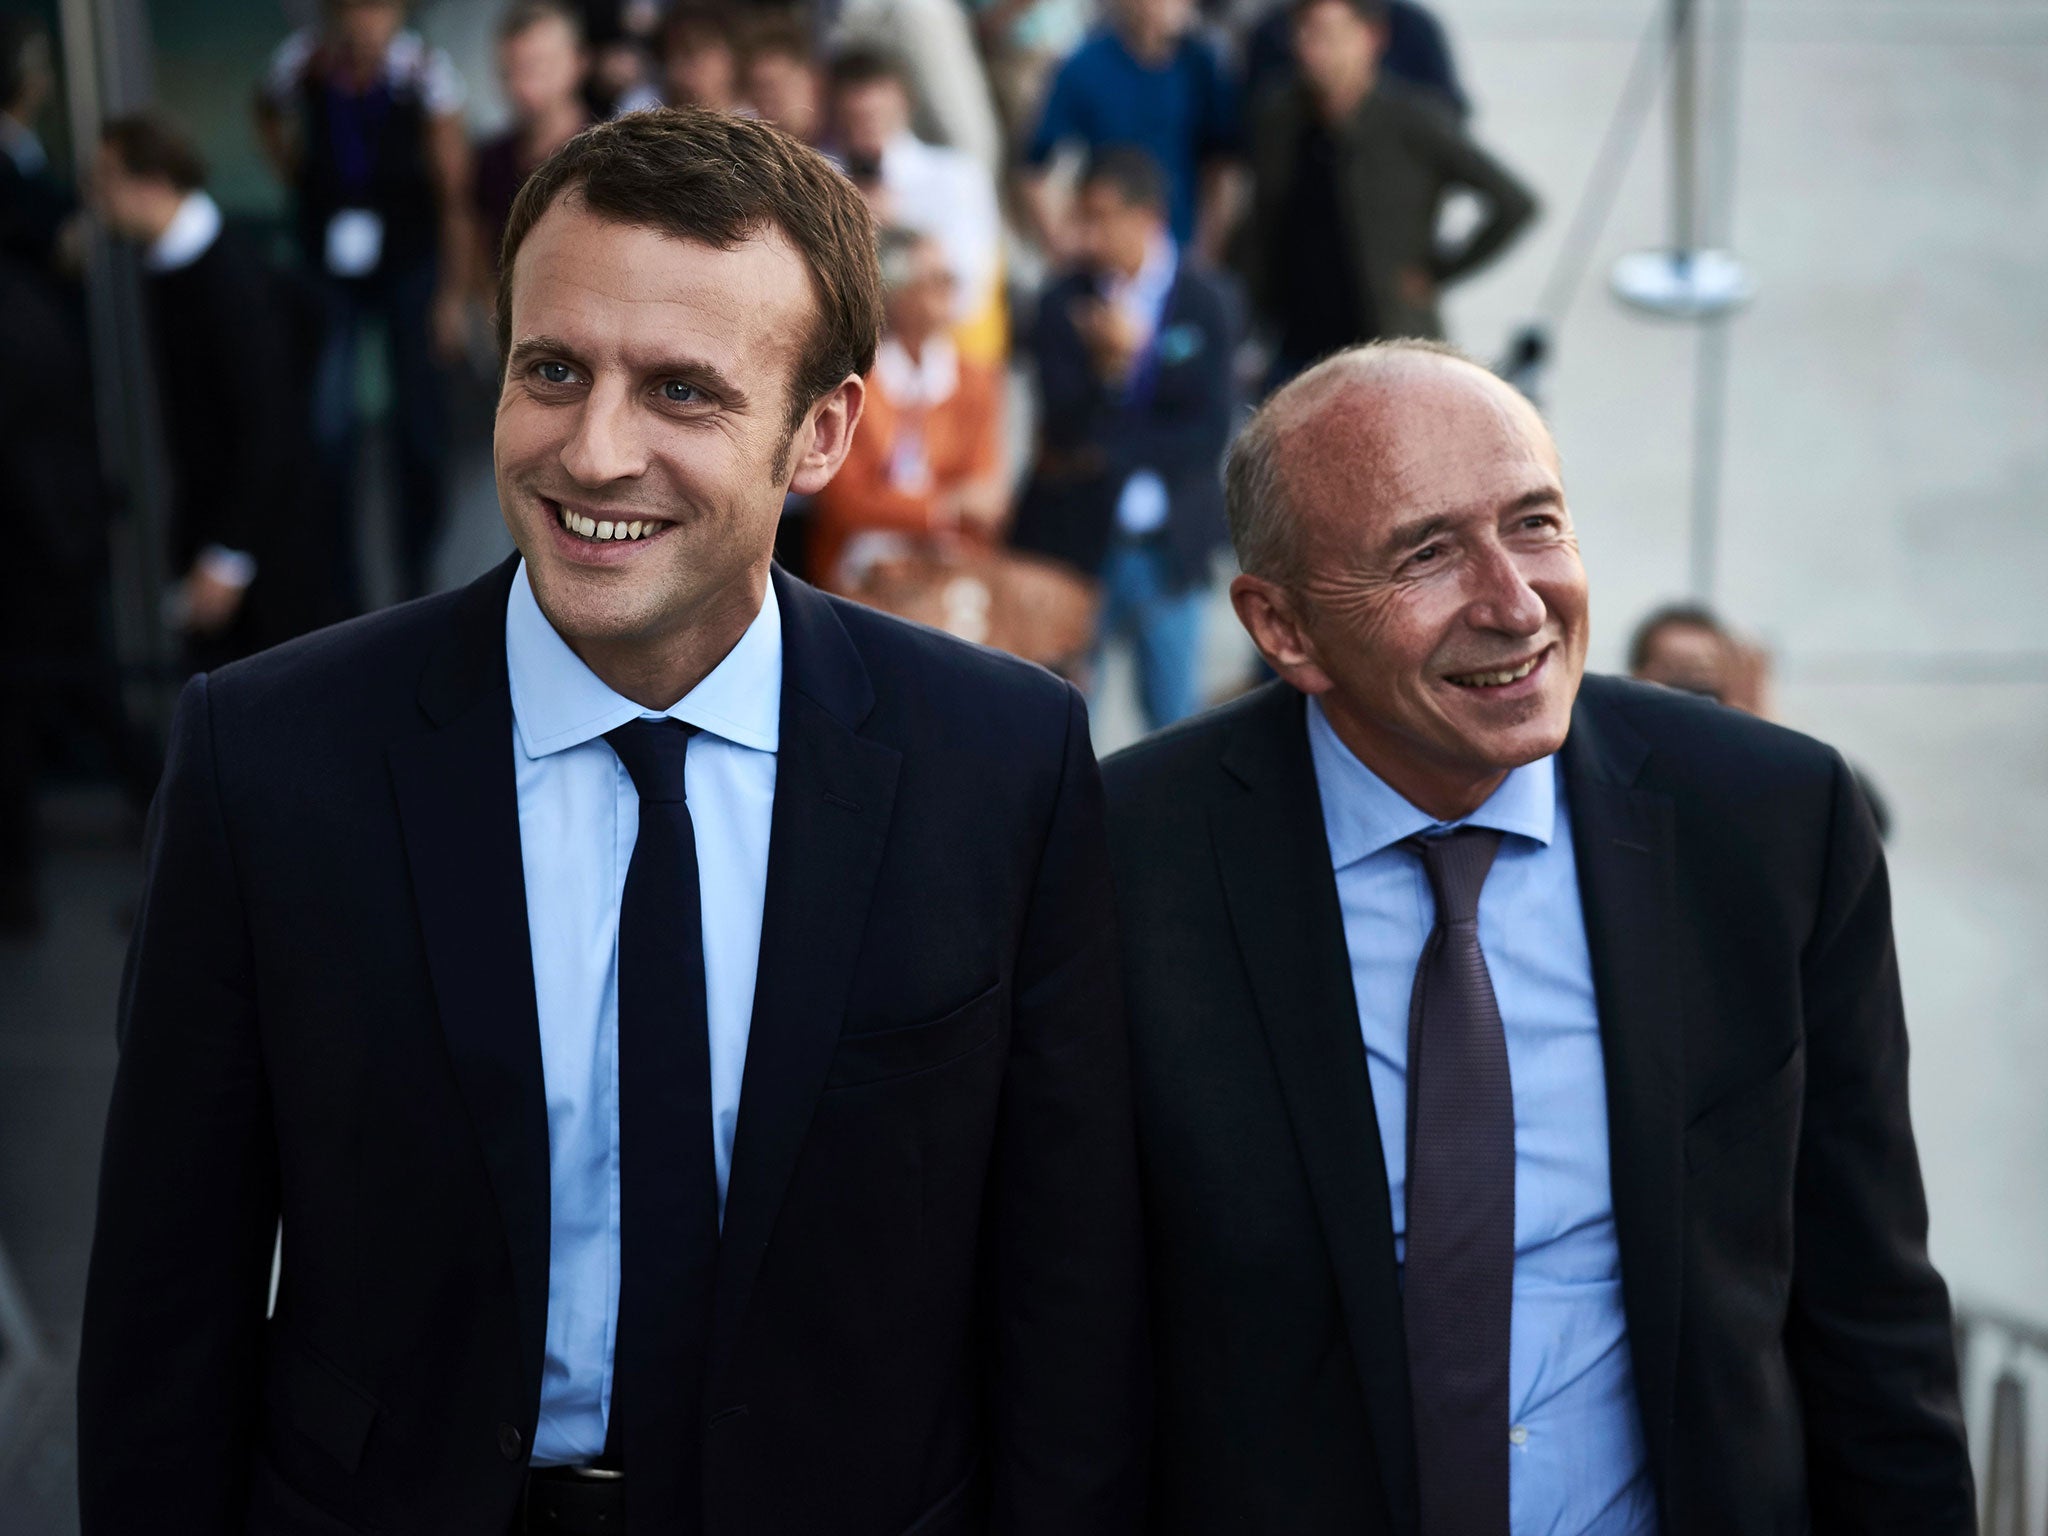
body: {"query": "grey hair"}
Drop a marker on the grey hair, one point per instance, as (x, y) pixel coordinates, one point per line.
(895, 250)
(1263, 519)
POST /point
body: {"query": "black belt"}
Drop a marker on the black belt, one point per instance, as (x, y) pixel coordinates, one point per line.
(571, 1501)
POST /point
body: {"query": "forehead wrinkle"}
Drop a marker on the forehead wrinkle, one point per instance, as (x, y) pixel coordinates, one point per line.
(723, 319)
(1379, 423)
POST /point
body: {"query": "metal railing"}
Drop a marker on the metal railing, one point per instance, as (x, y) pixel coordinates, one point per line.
(2004, 1362)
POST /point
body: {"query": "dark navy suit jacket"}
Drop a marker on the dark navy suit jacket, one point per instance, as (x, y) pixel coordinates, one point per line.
(1093, 436)
(928, 1311)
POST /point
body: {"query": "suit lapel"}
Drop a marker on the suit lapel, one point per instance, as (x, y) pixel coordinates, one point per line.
(834, 790)
(459, 811)
(1282, 897)
(1622, 838)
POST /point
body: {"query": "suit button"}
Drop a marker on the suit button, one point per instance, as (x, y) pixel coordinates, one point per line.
(510, 1442)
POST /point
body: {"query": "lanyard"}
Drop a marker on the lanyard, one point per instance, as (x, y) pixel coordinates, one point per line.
(354, 125)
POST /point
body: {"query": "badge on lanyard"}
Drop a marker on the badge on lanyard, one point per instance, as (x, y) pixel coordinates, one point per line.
(355, 242)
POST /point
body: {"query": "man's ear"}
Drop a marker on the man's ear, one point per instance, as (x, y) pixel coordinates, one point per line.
(825, 434)
(1270, 614)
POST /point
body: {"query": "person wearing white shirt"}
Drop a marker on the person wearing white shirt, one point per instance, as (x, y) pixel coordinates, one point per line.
(256, 555)
(930, 188)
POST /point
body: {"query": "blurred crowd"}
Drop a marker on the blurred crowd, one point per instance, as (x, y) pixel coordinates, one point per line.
(1106, 228)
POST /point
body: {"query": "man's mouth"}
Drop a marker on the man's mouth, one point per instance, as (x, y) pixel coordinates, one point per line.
(603, 530)
(1500, 677)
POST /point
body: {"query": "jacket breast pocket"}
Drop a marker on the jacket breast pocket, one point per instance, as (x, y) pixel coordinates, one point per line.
(880, 1055)
(1763, 1115)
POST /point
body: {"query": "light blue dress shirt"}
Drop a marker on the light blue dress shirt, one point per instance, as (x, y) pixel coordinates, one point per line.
(1142, 506)
(1577, 1465)
(578, 817)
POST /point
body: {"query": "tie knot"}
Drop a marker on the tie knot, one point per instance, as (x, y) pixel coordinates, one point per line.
(654, 752)
(1456, 864)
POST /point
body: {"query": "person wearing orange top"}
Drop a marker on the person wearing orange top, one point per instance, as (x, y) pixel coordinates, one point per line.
(927, 459)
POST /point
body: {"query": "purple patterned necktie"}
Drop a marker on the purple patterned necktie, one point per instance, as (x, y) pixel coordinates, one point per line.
(1458, 1281)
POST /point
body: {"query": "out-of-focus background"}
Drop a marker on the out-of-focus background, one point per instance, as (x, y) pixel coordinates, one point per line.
(1773, 268)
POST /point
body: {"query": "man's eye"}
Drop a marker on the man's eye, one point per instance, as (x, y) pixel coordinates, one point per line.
(554, 373)
(1426, 555)
(676, 392)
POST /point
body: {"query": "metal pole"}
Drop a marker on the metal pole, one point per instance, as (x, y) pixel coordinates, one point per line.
(1685, 84)
(1709, 438)
(1715, 204)
(107, 71)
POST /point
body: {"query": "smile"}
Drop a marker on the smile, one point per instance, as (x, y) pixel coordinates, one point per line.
(1500, 679)
(599, 532)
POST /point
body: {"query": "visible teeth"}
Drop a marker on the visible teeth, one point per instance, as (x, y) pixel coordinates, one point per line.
(1497, 679)
(591, 528)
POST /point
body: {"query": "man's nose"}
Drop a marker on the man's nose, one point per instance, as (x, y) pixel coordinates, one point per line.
(1502, 599)
(607, 444)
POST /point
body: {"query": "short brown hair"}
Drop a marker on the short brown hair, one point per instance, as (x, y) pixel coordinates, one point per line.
(719, 180)
(778, 34)
(862, 66)
(150, 148)
(522, 16)
(695, 25)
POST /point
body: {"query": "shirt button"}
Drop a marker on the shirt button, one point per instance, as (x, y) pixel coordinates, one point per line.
(1518, 1435)
(510, 1442)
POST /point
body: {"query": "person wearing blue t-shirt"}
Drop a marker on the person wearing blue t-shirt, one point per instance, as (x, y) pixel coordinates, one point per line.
(1146, 81)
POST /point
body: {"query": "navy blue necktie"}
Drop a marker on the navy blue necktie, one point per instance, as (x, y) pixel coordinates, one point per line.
(1458, 1279)
(668, 1183)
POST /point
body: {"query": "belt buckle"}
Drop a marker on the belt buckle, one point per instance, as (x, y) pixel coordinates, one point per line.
(594, 1474)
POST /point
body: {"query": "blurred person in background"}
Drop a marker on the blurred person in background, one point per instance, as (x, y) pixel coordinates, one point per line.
(913, 185)
(1686, 646)
(34, 207)
(1149, 81)
(1022, 43)
(783, 81)
(232, 344)
(1350, 175)
(700, 57)
(1417, 53)
(928, 459)
(56, 680)
(544, 63)
(934, 40)
(364, 122)
(620, 37)
(1134, 375)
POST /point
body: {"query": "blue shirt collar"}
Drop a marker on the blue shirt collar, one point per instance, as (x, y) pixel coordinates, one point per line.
(559, 703)
(1362, 814)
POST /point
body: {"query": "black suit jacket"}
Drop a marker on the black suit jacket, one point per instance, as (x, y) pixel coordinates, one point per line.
(33, 211)
(1791, 1344)
(1094, 436)
(928, 1300)
(234, 365)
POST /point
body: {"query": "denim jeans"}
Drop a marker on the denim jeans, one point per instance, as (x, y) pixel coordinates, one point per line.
(402, 300)
(1164, 625)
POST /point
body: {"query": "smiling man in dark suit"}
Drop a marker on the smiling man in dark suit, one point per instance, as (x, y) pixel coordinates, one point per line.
(1520, 1062)
(673, 1013)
